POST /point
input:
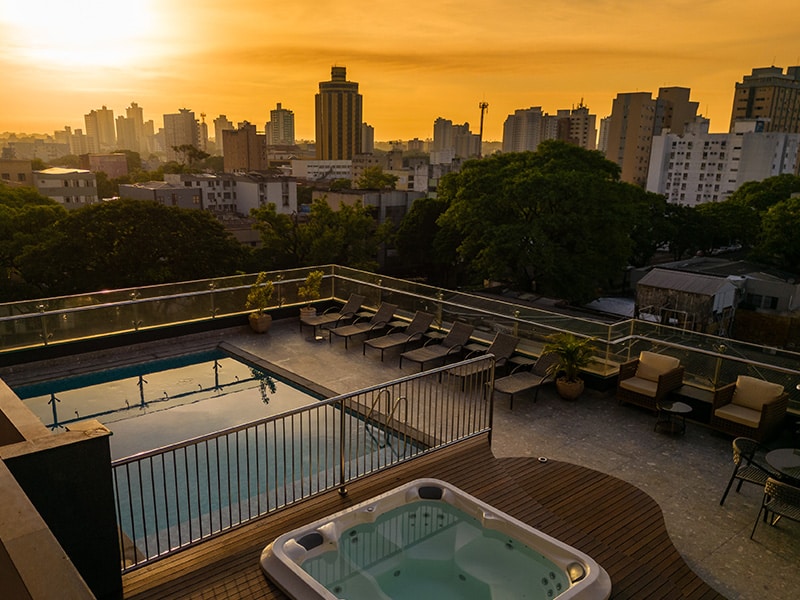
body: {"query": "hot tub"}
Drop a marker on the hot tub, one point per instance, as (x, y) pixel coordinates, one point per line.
(428, 539)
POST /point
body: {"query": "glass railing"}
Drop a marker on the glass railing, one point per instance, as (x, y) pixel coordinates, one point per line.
(710, 361)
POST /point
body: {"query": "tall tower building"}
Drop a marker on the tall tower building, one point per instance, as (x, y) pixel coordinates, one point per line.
(100, 131)
(221, 123)
(770, 95)
(245, 149)
(280, 129)
(523, 130)
(338, 117)
(637, 117)
(180, 129)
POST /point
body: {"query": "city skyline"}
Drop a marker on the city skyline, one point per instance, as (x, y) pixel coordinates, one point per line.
(413, 64)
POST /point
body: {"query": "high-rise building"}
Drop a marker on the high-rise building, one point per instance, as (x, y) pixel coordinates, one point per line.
(769, 95)
(452, 140)
(180, 129)
(221, 123)
(696, 167)
(527, 128)
(280, 129)
(635, 118)
(338, 117)
(245, 149)
(100, 130)
(367, 138)
(523, 130)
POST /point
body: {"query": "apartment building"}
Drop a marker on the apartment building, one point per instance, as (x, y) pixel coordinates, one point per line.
(73, 188)
(338, 111)
(770, 95)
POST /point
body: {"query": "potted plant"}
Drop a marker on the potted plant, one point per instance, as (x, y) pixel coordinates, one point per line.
(257, 300)
(573, 354)
(309, 291)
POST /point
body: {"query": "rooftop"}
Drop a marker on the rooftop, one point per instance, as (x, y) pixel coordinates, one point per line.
(679, 479)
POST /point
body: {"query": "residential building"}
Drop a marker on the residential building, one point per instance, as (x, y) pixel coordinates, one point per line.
(113, 165)
(770, 95)
(77, 142)
(16, 172)
(280, 128)
(180, 129)
(73, 188)
(221, 123)
(452, 141)
(230, 194)
(367, 138)
(635, 118)
(338, 117)
(602, 138)
(100, 130)
(321, 170)
(28, 149)
(527, 128)
(245, 149)
(390, 205)
(697, 167)
(164, 193)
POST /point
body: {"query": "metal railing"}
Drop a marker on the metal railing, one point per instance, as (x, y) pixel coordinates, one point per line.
(177, 496)
(709, 360)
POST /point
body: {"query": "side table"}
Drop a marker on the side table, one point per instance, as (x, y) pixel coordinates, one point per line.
(672, 417)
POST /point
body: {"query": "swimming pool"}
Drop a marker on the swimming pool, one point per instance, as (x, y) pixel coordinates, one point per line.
(156, 403)
(429, 539)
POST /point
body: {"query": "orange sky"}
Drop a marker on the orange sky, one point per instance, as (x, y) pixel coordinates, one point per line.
(415, 61)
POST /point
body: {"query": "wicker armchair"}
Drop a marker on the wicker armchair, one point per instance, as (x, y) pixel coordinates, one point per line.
(781, 499)
(647, 380)
(746, 467)
(750, 407)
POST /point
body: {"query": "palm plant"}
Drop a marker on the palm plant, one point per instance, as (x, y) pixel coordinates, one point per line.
(574, 353)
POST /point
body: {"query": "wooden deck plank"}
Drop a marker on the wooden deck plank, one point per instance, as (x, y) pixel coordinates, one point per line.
(611, 520)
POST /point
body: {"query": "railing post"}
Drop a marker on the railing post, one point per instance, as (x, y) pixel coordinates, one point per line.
(211, 287)
(342, 421)
(43, 320)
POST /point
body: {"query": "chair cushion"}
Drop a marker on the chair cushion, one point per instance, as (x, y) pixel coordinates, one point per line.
(651, 365)
(739, 414)
(637, 385)
(753, 393)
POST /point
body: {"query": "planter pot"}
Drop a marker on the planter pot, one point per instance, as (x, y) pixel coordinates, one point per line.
(307, 311)
(569, 390)
(260, 323)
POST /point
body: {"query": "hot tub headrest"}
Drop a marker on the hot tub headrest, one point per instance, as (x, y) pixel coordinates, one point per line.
(430, 492)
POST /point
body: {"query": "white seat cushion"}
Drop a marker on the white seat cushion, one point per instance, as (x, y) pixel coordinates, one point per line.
(651, 365)
(638, 385)
(754, 393)
(739, 414)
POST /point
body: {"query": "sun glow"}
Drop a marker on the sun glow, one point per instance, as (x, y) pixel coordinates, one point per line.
(80, 34)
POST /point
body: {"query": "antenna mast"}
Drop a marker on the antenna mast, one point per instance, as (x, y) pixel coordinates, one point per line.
(484, 106)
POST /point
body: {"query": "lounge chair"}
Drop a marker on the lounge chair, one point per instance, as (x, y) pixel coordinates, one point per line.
(521, 380)
(377, 323)
(750, 407)
(332, 316)
(648, 380)
(414, 332)
(502, 347)
(451, 345)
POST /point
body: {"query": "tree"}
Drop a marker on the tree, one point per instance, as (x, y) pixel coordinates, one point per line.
(557, 218)
(283, 245)
(375, 179)
(760, 195)
(423, 246)
(25, 217)
(129, 243)
(190, 154)
(779, 243)
(728, 222)
(341, 184)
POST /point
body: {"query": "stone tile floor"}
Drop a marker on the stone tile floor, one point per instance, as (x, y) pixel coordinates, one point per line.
(685, 474)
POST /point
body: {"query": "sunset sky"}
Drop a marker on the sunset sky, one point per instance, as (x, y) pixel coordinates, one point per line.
(414, 61)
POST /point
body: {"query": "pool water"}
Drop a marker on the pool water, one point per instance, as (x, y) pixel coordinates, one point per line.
(430, 549)
(154, 404)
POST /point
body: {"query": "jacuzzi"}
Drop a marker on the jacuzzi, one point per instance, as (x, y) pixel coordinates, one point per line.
(429, 539)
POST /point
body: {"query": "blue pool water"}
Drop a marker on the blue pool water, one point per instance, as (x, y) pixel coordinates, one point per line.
(154, 404)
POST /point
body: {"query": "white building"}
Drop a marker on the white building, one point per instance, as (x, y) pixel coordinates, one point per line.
(699, 167)
(239, 194)
(180, 129)
(73, 188)
(317, 170)
(280, 128)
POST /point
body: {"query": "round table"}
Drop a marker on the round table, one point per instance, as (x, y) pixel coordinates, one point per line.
(786, 461)
(672, 417)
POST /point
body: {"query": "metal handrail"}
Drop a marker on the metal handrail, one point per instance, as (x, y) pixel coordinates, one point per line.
(179, 495)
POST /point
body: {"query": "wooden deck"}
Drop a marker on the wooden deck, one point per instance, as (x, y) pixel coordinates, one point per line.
(614, 522)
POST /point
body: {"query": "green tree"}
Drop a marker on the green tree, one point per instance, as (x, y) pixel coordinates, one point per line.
(283, 243)
(685, 230)
(190, 154)
(649, 230)
(129, 243)
(728, 222)
(423, 246)
(779, 243)
(558, 217)
(25, 217)
(68, 161)
(340, 184)
(761, 195)
(375, 179)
